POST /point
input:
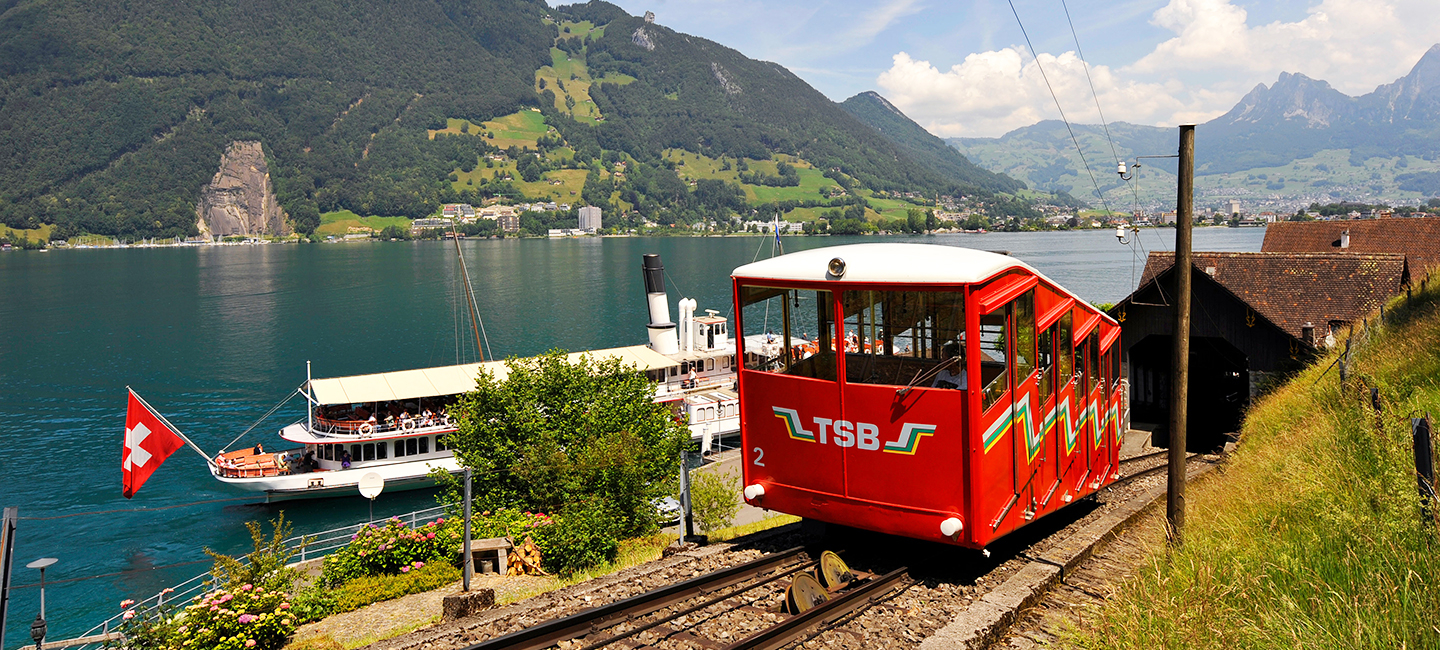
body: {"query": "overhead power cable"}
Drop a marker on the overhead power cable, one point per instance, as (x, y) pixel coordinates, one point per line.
(1073, 139)
(1093, 93)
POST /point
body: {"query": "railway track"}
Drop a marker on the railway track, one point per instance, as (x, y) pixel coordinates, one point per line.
(737, 608)
(671, 616)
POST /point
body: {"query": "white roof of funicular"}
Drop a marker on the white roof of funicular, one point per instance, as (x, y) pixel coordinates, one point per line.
(451, 380)
(885, 263)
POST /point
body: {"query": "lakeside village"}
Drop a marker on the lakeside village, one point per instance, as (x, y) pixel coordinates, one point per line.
(541, 219)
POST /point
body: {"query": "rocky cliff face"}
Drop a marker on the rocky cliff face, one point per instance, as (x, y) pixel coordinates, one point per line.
(240, 199)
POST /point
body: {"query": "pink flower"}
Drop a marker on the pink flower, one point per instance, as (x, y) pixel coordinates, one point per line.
(126, 603)
(440, 520)
(249, 643)
(245, 588)
(129, 615)
(404, 569)
(284, 605)
(248, 618)
(430, 536)
(167, 590)
(419, 564)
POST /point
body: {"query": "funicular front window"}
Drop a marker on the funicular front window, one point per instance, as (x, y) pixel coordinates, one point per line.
(788, 331)
(905, 338)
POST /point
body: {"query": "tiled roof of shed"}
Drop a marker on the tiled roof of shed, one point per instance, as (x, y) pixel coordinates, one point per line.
(1417, 238)
(1290, 289)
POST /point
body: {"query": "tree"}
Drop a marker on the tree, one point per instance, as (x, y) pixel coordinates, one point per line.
(556, 436)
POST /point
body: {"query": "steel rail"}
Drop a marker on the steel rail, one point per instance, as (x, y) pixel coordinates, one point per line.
(700, 606)
(546, 634)
(789, 629)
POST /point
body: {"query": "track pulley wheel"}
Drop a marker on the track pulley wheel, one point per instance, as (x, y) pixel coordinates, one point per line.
(804, 592)
(833, 572)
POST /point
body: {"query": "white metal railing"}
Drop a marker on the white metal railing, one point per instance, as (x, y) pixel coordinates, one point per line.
(307, 547)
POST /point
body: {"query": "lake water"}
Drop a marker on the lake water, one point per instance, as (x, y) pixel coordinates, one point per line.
(213, 337)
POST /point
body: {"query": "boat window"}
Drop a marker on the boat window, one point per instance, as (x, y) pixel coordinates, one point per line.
(1065, 343)
(381, 450)
(368, 450)
(354, 453)
(788, 331)
(709, 364)
(399, 448)
(440, 443)
(411, 447)
(994, 356)
(425, 444)
(326, 453)
(900, 337)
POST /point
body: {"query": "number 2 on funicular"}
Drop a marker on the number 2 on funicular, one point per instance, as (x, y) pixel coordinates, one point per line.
(759, 454)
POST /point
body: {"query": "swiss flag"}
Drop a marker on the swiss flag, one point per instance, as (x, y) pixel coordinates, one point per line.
(148, 442)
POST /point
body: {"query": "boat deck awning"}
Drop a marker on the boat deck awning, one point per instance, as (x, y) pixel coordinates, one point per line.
(452, 380)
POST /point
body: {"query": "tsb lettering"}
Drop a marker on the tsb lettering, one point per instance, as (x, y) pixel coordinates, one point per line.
(860, 435)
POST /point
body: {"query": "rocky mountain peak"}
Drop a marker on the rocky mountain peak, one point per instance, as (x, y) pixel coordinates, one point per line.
(1294, 97)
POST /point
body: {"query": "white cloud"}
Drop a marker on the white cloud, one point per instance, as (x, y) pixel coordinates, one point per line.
(990, 93)
(1214, 58)
(1354, 44)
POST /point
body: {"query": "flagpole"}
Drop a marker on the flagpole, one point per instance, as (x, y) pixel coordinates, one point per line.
(198, 450)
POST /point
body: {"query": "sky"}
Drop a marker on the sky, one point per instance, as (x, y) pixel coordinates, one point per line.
(963, 67)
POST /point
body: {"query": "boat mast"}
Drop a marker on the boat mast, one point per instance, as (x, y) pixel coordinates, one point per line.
(469, 295)
(309, 408)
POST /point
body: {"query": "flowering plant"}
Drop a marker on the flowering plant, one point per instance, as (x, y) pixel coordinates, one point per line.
(393, 548)
(246, 618)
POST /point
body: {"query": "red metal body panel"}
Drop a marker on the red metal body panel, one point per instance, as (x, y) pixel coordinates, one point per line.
(902, 460)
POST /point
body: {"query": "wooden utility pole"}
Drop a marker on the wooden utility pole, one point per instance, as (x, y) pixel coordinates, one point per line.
(1180, 354)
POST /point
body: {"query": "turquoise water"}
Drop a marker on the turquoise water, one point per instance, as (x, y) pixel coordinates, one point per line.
(213, 337)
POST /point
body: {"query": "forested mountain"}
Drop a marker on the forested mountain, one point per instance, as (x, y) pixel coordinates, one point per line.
(1297, 138)
(927, 149)
(114, 114)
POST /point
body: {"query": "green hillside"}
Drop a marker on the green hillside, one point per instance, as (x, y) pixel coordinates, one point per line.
(927, 149)
(113, 114)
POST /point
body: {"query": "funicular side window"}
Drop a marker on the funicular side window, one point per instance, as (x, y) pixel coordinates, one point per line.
(904, 338)
(1045, 358)
(994, 361)
(1093, 358)
(788, 331)
(1065, 342)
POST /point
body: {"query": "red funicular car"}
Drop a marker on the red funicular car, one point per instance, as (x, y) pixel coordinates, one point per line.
(934, 392)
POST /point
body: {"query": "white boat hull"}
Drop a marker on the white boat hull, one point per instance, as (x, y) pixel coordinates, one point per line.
(399, 476)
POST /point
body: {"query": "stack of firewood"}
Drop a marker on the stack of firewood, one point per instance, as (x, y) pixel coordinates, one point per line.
(525, 560)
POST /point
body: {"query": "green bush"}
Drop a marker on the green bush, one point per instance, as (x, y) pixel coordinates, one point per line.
(264, 566)
(582, 536)
(507, 522)
(363, 591)
(392, 548)
(313, 603)
(714, 499)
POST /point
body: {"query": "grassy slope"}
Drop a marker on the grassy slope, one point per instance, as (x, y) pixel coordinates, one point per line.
(339, 223)
(37, 234)
(1313, 536)
(571, 71)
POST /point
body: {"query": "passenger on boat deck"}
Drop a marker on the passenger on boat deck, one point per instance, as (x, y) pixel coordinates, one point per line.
(427, 418)
(345, 459)
(309, 462)
(259, 449)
